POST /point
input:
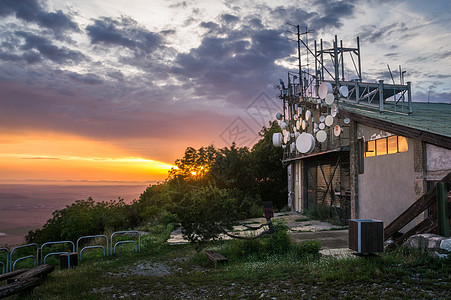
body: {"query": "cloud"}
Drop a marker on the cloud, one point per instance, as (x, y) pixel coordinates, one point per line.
(59, 55)
(123, 32)
(31, 11)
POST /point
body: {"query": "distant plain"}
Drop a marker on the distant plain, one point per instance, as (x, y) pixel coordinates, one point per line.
(28, 206)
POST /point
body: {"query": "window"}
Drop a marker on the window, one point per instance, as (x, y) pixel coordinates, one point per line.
(381, 146)
(370, 148)
(388, 145)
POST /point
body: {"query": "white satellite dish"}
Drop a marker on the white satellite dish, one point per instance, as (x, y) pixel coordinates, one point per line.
(305, 143)
(279, 116)
(334, 111)
(329, 99)
(344, 91)
(322, 118)
(277, 139)
(304, 124)
(321, 126)
(298, 124)
(308, 114)
(347, 120)
(321, 136)
(324, 89)
(283, 125)
(295, 117)
(337, 130)
(329, 120)
(315, 125)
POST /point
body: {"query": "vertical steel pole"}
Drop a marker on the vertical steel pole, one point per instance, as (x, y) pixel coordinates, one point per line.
(409, 97)
(342, 61)
(442, 204)
(381, 96)
(358, 54)
(316, 71)
(301, 83)
(322, 62)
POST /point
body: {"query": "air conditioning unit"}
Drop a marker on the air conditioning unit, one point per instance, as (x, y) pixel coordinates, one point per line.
(366, 236)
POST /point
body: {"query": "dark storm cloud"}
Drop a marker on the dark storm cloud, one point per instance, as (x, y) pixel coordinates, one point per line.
(124, 32)
(59, 55)
(241, 62)
(31, 11)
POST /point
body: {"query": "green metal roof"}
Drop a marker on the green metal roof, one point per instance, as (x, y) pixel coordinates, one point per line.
(434, 118)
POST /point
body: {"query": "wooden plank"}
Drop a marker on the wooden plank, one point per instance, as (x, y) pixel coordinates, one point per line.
(19, 286)
(414, 210)
(215, 256)
(12, 274)
(424, 227)
(39, 271)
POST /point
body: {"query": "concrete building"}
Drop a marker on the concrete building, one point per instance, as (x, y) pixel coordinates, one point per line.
(363, 148)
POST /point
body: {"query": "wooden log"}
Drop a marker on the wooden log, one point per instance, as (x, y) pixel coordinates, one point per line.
(12, 274)
(39, 271)
(22, 286)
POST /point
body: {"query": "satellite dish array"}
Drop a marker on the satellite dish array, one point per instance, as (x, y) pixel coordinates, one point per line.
(297, 133)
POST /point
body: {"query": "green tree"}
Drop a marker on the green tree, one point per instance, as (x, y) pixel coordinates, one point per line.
(267, 169)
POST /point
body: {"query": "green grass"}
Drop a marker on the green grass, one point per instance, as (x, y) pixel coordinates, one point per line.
(399, 274)
(162, 271)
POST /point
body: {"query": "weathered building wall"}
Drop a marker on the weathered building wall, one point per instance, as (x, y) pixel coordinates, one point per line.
(387, 186)
(438, 163)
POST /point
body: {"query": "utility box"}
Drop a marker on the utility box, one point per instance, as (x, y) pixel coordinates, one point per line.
(366, 236)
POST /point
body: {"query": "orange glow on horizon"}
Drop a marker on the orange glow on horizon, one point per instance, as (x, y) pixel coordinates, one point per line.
(63, 157)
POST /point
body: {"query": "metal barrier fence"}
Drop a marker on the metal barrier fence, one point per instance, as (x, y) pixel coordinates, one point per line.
(40, 258)
(12, 264)
(95, 246)
(7, 259)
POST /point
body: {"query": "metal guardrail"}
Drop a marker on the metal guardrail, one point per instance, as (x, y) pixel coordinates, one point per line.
(39, 258)
(56, 253)
(5, 266)
(95, 246)
(36, 258)
(137, 246)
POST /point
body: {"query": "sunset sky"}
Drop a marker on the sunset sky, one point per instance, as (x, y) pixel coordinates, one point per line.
(112, 90)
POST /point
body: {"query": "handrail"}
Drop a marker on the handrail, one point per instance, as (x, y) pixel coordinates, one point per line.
(414, 210)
